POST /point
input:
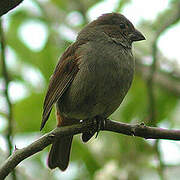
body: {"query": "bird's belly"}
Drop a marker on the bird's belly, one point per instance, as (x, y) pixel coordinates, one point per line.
(95, 92)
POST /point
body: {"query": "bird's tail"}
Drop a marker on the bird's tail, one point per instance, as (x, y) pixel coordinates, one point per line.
(60, 152)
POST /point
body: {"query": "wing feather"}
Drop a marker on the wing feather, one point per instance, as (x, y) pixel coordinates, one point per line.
(61, 79)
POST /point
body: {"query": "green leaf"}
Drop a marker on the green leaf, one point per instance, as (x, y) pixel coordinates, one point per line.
(28, 114)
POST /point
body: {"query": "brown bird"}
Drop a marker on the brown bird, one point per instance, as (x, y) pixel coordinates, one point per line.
(91, 78)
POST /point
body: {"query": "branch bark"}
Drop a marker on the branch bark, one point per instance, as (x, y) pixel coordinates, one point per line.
(122, 128)
(7, 5)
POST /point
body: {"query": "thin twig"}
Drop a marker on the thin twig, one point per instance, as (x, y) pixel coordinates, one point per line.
(6, 93)
(123, 128)
(164, 79)
(174, 18)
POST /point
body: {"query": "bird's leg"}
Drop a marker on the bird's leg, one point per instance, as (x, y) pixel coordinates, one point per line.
(86, 136)
(100, 123)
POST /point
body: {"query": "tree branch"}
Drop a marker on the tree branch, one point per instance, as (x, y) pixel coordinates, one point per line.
(123, 128)
(174, 14)
(6, 86)
(7, 5)
(163, 79)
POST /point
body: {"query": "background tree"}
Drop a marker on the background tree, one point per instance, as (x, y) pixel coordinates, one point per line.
(34, 35)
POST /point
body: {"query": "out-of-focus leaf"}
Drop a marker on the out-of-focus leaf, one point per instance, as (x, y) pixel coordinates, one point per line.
(74, 5)
(28, 114)
(165, 104)
(81, 154)
(45, 60)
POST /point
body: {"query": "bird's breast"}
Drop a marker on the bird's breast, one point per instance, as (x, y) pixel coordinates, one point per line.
(104, 77)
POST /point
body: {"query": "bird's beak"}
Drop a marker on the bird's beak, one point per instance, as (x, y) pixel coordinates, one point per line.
(136, 36)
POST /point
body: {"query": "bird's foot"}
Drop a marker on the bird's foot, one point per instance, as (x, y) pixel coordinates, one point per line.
(100, 123)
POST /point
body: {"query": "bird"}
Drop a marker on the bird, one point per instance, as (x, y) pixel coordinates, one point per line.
(91, 79)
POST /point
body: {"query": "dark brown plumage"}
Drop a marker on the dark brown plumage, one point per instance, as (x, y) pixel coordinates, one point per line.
(91, 78)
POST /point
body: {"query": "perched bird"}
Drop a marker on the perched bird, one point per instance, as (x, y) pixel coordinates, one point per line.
(91, 78)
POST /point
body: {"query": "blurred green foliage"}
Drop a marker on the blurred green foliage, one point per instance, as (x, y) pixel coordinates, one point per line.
(111, 156)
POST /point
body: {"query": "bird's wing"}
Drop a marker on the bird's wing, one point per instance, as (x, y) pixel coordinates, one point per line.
(61, 79)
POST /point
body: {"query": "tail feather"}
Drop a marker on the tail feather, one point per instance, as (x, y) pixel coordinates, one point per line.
(60, 153)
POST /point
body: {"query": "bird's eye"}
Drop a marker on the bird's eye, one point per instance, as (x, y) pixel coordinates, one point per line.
(122, 25)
